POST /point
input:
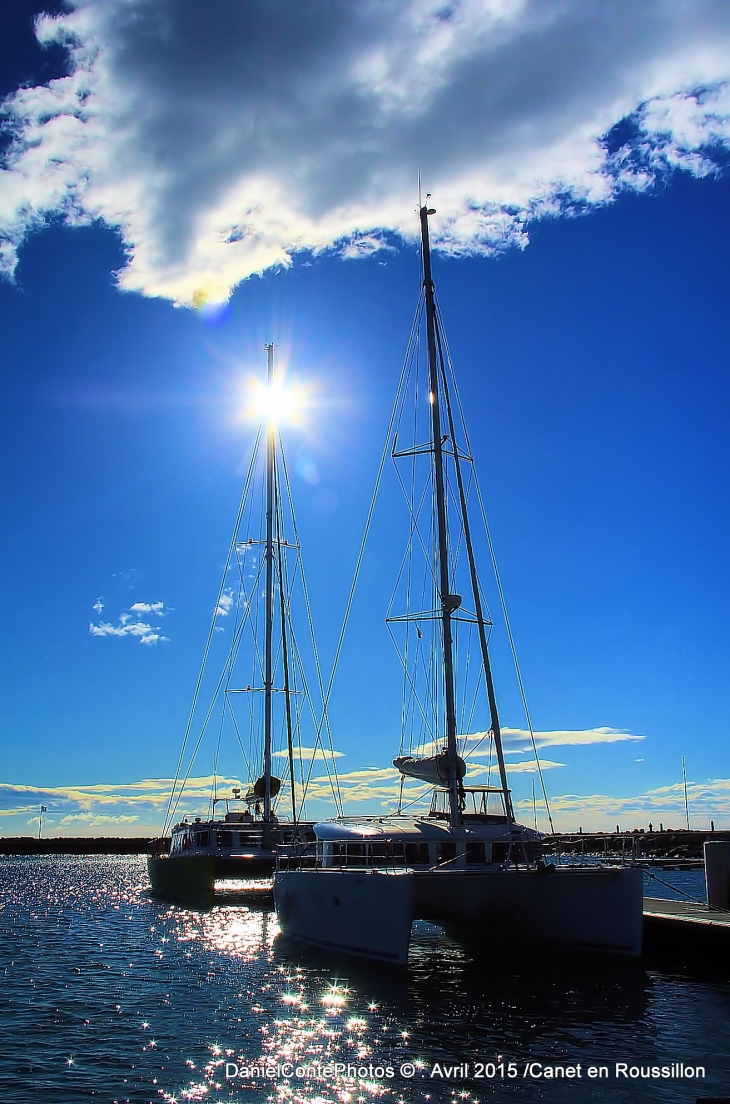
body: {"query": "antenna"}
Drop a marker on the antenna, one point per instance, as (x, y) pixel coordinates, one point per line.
(686, 802)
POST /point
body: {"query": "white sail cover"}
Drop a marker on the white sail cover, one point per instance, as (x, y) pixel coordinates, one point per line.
(433, 769)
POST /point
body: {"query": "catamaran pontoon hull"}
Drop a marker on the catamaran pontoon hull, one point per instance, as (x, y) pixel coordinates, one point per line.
(369, 913)
(592, 909)
(362, 913)
(205, 852)
(190, 878)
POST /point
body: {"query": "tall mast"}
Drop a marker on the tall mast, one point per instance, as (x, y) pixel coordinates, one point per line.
(270, 460)
(449, 602)
(491, 697)
(285, 662)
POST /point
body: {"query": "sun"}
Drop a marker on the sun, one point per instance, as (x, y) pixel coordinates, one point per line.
(277, 402)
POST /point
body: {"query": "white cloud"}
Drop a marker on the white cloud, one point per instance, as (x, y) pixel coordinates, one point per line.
(129, 625)
(143, 802)
(367, 785)
(307, 753)
(146, 634)
(156, 608)
(581, 737)
(516, 741)
(529, 766)
(113, 808)
(220, 147)
(225, 603)
(707, 801)
(96, 820)
(98, 606)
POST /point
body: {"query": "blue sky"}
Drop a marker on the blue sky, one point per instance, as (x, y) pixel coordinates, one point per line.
(593, 365)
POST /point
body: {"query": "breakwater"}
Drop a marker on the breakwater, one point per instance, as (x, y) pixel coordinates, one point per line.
(669, 843)
(75, 845)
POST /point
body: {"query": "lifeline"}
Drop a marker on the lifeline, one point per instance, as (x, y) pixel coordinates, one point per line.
(675, 1071)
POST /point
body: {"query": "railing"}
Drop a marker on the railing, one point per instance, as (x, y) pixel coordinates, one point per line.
(399, 855)
(296, 856)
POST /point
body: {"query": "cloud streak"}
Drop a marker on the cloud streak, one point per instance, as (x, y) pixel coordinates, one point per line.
(308, 754)
(138, 808)
(225, 602)
(516, 741)
(115, 808)
(170, 128)
(127, 625)
(707, 801)
(158, 608)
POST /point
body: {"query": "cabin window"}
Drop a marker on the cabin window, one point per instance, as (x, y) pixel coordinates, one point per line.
(397, 858)
(338, 853)
(225, 839)
(499, 852)
(445, 852)
(348, 854)
(475, 852)
(417, 854)
(202, 839)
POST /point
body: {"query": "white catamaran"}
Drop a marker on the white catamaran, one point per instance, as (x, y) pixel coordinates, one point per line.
(260, 692)
(466, 864)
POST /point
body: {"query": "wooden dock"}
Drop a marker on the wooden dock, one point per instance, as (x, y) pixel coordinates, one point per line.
(688, 926)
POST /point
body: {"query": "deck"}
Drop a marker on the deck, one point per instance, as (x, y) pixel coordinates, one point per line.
(687, 926)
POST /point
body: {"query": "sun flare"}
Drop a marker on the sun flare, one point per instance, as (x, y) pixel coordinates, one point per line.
(276, 402)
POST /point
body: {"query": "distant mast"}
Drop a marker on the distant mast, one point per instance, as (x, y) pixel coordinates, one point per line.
(686, 799)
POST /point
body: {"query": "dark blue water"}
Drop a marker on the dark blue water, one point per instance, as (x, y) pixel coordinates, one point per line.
(110, 995)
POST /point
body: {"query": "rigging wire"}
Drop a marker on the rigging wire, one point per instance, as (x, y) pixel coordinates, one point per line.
(318, 668)
(238, 736)
(409, 574)
(208, 714)
(368, 522)
(496, 575)
(231, 551)
(475, 588)
(698, 900)
(214, 791)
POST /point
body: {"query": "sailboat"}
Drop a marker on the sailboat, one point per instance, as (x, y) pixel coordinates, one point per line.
(238, 835)
(466, 864)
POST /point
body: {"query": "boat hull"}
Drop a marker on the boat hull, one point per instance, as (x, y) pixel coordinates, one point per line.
(345, 911)
(245, 866)
(596, 910)
(368, 913)
(188, 878)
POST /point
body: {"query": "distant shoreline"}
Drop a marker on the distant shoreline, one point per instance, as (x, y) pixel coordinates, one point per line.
(75, 845)
(668, 843)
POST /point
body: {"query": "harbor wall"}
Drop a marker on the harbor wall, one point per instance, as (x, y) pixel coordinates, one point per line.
(669, 843)
(75, 845)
